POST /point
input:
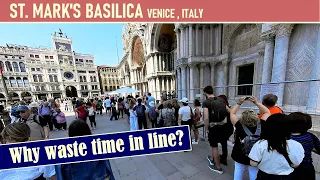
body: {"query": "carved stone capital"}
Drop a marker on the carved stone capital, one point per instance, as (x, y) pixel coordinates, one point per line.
(213, 64)
(284, 30)
(202, 65)
(152, 54)
(225, 62)
(192, 64)
(269, 37)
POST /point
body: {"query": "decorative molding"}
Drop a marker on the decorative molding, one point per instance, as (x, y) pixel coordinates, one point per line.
(283, 30)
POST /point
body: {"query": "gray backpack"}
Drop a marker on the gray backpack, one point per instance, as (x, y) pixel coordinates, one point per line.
(250, 139)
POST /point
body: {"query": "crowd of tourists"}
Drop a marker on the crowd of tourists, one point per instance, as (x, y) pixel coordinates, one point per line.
(268, 144)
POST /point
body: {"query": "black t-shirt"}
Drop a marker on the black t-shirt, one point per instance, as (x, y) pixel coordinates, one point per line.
(237, 154)
(208, 104)
(160, 107)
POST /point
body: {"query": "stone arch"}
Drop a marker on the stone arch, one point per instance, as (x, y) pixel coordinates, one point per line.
(250, 38)
(164, 38)
(137, 51)
(26, 95)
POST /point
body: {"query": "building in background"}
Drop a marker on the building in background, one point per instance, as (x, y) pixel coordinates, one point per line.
(108, 77)
(57, 72)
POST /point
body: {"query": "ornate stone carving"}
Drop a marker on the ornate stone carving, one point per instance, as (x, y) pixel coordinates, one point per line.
(283, 30)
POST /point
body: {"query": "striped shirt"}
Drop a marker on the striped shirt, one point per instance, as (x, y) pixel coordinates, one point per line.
(309, 142)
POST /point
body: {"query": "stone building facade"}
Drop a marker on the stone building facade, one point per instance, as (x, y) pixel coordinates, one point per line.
(33, 73)
(237, 59)
(108, 77)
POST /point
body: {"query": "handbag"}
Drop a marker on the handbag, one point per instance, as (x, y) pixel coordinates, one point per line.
(199, 124)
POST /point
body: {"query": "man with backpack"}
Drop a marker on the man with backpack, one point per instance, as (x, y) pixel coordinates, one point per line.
(141, 114)
(32, 120)
(214, 115)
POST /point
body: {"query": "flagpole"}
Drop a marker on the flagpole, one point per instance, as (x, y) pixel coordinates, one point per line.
(117, 48)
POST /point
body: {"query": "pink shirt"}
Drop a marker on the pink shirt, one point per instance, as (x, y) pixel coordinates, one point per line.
(61, 118)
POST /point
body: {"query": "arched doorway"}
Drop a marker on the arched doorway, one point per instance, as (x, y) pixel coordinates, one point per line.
(71, 91)
(138, 62)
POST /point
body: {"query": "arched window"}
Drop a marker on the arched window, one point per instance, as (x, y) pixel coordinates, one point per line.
(35, 78)
(2, 66)
(19, 81)
(9, 66)
(91, 79)
(22, 67)
(15, 67)
(26, 82)
(13, 82)
(55, 78)
(84, 79)
(94, 79)
(81, 79)
(40, 78)
(50, 78)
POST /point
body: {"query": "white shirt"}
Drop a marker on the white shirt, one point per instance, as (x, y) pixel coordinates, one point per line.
(91, 111)
(273, 162)
(29, 173)
(185, 112)
(107, 103)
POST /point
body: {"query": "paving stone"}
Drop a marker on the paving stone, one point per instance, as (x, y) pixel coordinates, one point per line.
(133, 176)
(200, 175)
(186, 168)
(156, 158)
(127, 168)
(177, 176)
(157, 176)
(147, 167)
(166, 168)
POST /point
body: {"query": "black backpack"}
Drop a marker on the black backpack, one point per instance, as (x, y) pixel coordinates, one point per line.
(140, 110)
(218, 110)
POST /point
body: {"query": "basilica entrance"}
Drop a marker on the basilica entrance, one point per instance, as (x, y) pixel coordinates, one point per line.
(71, 91)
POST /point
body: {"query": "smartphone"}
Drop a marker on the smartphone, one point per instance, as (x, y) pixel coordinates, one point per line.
(247, 98)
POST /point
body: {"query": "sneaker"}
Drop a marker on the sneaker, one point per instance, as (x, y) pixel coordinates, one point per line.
(211, 162)
(215, 169)
(194, 142)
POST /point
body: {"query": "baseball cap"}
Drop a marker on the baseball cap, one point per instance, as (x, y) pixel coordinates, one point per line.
(22, 108)
(34, 105)
(184, 100)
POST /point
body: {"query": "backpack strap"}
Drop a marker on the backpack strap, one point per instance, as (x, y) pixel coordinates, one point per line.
(258, 130)
(246, 130)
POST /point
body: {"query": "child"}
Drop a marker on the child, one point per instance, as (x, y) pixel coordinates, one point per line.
(133, 118)
(113, 112)
(300, 124)
(61, 120)
(92, 116)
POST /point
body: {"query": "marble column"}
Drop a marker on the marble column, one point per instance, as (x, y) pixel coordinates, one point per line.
(192, 88)
(268, 59)
(158, 88)
(211, 39)
(178, 43)
(190, 40)
(204, 47)
(186, 42)
(166, 64)
(280, 58)
(202, 65)
(212, 75)
(225, 64)
(216, 40)
(168, 84)
(182, 45)
(179, 84)
(313, 102)
(158, 62)
(197, 40)
(183, 81)
(163, 84)
(188, 81)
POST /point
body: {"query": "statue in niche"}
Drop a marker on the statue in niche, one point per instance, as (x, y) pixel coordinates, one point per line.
(165, 43)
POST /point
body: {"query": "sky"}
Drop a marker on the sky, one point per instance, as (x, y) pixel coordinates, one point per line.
(100, 40)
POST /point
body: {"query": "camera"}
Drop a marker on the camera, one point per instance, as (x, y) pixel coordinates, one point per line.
(248, 97)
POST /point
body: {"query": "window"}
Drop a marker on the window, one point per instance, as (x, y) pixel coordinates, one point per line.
(81, 71)
(50, 78)
(42, 88)
(53, 70)
(40, 78)
(55, 78)
(19, 81)
(7, 82)
(39, 69)
(13, 82)
(81, 79)
(84, 79)
(91, 79)
(31, 55)
(51, 57)
(26, 82)
(94, 79)
(2, 66)
(9, 66)
(36, 56)
(15, 67)
(245, 77)
(22, 67)
(92, 72)
(46, 57)
(35, 78)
